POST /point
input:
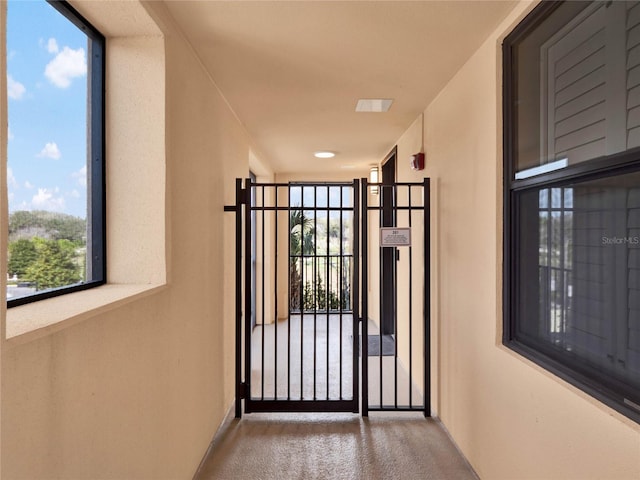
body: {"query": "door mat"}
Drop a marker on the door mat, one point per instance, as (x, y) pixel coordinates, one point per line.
(388, 345)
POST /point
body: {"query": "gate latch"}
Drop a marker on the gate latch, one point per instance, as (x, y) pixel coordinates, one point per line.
(244, 390)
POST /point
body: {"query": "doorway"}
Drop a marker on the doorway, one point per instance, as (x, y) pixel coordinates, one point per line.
(301, 334)
(388, 255)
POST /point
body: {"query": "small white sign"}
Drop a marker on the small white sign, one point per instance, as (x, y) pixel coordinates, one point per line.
(395, 237)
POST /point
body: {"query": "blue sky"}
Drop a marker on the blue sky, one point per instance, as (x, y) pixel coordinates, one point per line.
(317, 196)
(47, 84)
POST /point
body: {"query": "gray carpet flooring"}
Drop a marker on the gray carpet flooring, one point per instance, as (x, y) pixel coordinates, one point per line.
(334, 446)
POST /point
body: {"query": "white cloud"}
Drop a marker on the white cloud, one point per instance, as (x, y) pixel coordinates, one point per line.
(67, 64)
(74, 193)
(9, 133)
(15, 90)
(28, 185)
(11, 180)
(50, 150)
(52, 46)
(45, 200)
(81, 176)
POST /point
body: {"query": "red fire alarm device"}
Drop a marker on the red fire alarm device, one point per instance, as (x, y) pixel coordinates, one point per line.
(417, 161)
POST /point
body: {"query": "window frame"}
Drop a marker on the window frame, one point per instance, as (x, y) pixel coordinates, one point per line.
(96, 183)
(607, 390)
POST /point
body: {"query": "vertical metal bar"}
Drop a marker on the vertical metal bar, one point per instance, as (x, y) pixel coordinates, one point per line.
(562, 268)
(263, 317)
(548, 312)
(247, 294)
(355, 292)
(365, 298)
(238, 405)
(327, 284)
(394, 202)
(380, 292)
(315, 292)
(301, 293)
(427, 297)
(275, 292)
(410, 306)
(340, 287)
(289, 290)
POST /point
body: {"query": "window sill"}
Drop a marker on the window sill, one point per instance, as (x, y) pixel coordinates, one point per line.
(29, 322)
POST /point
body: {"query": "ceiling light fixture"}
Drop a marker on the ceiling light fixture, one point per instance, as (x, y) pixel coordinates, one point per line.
(376, 105)
(324, 154)
(373, 178)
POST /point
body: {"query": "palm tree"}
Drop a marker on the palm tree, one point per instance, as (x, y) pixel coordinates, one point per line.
(302, 233)
(301, 242)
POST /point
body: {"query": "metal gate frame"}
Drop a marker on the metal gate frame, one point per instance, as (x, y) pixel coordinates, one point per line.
(361, 208)
(426, 303)
(243, 209)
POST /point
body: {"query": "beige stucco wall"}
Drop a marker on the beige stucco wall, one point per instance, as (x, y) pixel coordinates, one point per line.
(137, 389)
(410, 143)
(511, 419)
(265, 229)
(373, 255)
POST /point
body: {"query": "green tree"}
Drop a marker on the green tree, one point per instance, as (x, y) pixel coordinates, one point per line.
(44, 224)
(68, 227)
(22, 253)
(301, 242)
(55, 265)
(21, 220)
(302, 233)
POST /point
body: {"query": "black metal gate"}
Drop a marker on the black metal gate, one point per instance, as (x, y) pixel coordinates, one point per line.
(302, 352)
(396, 367)
(302, 274)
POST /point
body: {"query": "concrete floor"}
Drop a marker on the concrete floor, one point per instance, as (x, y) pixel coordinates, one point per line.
(334, 446)
(314, 360)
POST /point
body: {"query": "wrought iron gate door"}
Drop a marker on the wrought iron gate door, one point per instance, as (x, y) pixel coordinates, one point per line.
(396, 367)
(302, 352)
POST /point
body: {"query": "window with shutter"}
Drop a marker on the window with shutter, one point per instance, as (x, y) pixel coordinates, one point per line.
(572, 196)
(584, 86)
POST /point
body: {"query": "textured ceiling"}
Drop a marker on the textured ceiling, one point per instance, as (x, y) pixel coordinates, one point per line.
(294, 70)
